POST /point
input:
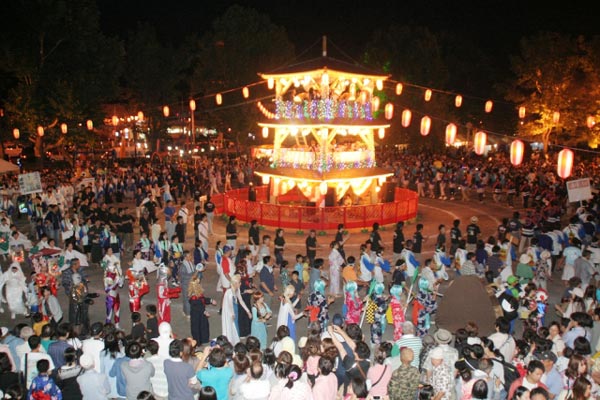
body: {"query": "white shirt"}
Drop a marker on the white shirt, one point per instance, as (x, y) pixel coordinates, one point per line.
(505, 344)
(93, 347)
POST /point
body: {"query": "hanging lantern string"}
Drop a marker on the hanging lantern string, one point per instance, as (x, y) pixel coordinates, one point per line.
(243, 103)
(495, 134)
(448, 92)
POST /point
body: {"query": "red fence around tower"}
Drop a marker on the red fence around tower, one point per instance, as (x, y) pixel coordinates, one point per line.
(235, 202)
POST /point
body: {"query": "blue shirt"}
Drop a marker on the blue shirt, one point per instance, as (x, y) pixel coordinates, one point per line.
(554, 382)
(56, 350)
(218, 378)
(267, 278)
(115, 372)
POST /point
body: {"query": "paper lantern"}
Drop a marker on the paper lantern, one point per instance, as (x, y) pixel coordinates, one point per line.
(399, 88)
(271, 83)
(381, 133)
(90, 125)
(590, 122)
(488, 106)
(166, 111)
(140, 115)
(521, 112)
(406, 117)
(564, 165)
(458, 100)
(375, 103)
(517, 148)
(479, 143)
(40, 131)
(265, 132)
(192, 105)
(246, 92)
(115, 120)
(555, 117)
(323, 188)
(219, 99)
(450, 134)
(16, 133)
(428, 94)
(425, 125)
(389, 111)
(63, 128)
(379, 84)
(265, 179)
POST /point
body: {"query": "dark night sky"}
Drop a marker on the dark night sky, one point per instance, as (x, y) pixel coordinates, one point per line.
(495, 26)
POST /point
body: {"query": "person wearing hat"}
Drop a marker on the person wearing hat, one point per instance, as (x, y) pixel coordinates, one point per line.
(551, 378)
(440, 375)
(443, 338)
(524, 271)
(473, 233)
(93, 384)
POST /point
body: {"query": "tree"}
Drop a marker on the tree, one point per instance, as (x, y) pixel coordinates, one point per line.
(241, 43)
(56, 66)
(556, 73)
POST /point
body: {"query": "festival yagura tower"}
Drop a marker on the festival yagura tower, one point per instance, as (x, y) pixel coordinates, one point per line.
(324, 125)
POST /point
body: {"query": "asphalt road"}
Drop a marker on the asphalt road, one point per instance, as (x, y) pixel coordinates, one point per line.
(431, 213)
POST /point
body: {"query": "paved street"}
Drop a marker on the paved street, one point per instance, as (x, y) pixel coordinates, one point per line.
(431, 214)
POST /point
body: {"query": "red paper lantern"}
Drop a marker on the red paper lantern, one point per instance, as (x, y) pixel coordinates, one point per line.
(458, 100)
(389, 111)
(521, 112)
(425, 125)
(399, 88)
(479, 142)
(406, 117)
(428, 94)
(450, 134)
(564, 166)
(517, 148)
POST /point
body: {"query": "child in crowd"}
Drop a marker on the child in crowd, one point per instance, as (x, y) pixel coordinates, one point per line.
(137, 329)
(299, 267)
(299, 289)
(151, 322)
(42, 386)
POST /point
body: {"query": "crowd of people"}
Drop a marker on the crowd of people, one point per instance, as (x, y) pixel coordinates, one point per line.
(60, 353)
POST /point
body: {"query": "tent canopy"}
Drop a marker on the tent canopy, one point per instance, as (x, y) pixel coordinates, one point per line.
(7, 167)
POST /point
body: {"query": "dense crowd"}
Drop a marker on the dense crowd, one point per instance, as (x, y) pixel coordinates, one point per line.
(62, 354)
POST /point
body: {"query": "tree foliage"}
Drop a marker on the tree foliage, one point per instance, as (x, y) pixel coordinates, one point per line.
(55, 64)
(557, 73)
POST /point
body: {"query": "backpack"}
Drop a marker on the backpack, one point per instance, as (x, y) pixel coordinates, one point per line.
(511, 373)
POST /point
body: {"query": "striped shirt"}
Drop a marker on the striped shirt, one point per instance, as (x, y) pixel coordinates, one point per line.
(412, 342)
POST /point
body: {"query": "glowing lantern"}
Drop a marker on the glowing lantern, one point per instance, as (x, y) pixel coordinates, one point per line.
(323, 188)
(379, 84)
(140, 115)
(265, 179)
(265, 132)
(517, 148)
(428, 94)
(40, 131)
(406, 117)
(399, 88)
(219, 99)
(425, 125)
(192, 105)
(479, 142)
(389, 111)
(89, 124)
(166, 111)
(375, 103)
(450, 134)
(590, 122)
(555, 117)
(488, 106)
(271, 83)
(63, 128)
(246, 92)
(565, 163)
(381, 133)
(16, 133)
(458, 100)
(521, 112)
(115, 120)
